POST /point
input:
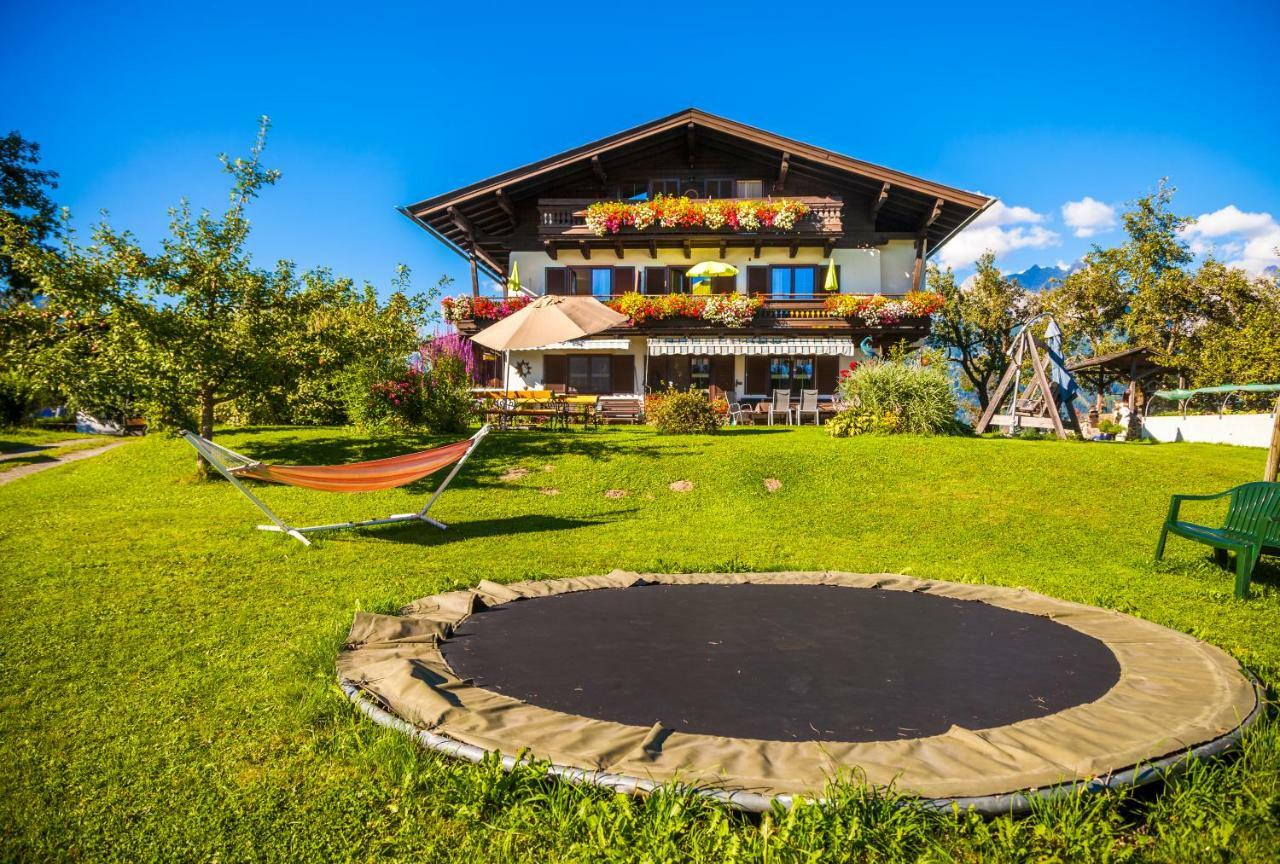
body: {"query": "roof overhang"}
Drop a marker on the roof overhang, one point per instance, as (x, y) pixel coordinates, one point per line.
(478, 217)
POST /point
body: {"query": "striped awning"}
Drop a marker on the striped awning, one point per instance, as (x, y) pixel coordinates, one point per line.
(589, 345)
(662, 345)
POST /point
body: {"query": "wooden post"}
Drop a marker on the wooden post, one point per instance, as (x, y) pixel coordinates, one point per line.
(917, 272)
(1134, 431)
(1273, 452)
(475, 276)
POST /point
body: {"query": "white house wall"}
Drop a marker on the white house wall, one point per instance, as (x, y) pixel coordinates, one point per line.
(879, 270)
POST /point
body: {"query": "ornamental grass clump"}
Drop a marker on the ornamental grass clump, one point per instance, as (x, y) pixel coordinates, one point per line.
(682, 412)
(896, 396)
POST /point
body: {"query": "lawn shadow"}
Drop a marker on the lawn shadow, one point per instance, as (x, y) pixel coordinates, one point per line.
(472, 529)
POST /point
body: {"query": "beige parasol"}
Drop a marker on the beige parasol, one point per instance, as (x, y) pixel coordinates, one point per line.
(547, 320)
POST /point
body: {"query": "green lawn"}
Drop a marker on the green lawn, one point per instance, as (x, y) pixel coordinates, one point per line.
(20, 439)
(169, 691)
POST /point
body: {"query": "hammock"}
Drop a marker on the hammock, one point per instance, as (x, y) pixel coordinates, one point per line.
(358, 477)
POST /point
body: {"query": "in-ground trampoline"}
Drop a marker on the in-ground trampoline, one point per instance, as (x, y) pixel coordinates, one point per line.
(761, 687)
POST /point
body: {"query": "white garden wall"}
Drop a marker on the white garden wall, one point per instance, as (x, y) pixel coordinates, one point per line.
(1244, 430)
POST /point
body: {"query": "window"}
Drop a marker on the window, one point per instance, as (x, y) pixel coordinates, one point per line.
(633, 191)
(664, 186)
(700, 372)
(595, 281)
(792, 374)
(792, 281)
(592, 373)
(719, 188)
(749, 189)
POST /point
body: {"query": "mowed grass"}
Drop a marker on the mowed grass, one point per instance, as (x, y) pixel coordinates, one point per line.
(169, 689)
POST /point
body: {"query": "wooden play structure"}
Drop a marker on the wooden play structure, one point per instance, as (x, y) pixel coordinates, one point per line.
(1046, 401)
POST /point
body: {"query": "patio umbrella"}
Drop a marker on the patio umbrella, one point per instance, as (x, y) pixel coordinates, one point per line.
(547, 320)
(513, 281)
(710, 270)
(833, 282)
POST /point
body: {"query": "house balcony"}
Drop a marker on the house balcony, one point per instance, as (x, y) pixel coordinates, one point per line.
(565, 219)
(779, 316)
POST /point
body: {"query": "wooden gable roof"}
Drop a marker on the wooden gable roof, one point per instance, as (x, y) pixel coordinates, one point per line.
(480, 216)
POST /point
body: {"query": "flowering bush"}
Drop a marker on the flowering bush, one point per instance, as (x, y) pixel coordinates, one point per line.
(893, 396)
(729, 310)
(878, 310)
(676, 211)
(682, 412)
(464, 307)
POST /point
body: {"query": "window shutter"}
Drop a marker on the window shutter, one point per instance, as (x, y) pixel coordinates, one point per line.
(757, 280)
(624, 373)
(655, 280)
(659, 372)
(624, 280)
(555, 370)
(757, 374)
(556, 280)
(722, 372)
(723, 284)
(827, 371)
(680, 372)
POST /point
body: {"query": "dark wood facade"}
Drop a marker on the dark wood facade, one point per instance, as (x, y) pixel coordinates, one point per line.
(854, 203)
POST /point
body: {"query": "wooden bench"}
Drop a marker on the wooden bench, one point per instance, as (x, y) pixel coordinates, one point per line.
(1250, 530)
(620, 409)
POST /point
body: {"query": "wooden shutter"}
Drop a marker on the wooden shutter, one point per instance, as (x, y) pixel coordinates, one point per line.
(557, 280)
(723, 284)
(659, 372)
(655, 280)
(624, 281)
(826, 368)
(623, 373)
(555, 370)
(757, 374)
(757, 280)
(722, 372)
(680, 372)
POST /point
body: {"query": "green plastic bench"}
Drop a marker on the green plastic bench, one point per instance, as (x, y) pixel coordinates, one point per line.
(1251, 529)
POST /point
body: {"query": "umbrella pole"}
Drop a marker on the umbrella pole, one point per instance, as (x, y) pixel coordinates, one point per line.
(506, 386)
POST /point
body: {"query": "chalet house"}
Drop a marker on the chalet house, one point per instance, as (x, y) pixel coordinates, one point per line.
(829, 253)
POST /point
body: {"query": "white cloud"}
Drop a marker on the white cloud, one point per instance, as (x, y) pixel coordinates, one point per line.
(1088, 216)
(1001, 229)
(1248, 240)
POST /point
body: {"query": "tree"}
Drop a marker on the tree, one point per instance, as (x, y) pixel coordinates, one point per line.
(27, 211)
(177, 333)
(1240, 344)
(975, 325)
(1163, 305)
(1089, 305)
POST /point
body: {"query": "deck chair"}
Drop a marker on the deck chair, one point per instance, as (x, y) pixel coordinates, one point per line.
(356, 477)
(781, 404)
(808, 405)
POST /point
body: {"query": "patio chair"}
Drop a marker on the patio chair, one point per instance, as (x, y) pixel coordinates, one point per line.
(808, 405)
(1251, 528)
(737, 410)
(781, 404)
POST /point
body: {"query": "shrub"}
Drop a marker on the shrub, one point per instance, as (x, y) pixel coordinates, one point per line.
(19, 398)
(682, 412)
(893, 396)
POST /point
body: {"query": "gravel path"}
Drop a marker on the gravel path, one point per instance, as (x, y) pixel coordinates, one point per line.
(74, 456)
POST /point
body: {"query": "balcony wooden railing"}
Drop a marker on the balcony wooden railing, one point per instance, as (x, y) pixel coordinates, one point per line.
(566, 217)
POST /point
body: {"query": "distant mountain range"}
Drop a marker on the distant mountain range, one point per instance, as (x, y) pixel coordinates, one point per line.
(1036, 278)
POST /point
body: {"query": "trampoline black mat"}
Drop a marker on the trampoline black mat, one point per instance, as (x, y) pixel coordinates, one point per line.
(781, 662)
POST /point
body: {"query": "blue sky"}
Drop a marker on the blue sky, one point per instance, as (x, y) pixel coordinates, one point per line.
(383, 104)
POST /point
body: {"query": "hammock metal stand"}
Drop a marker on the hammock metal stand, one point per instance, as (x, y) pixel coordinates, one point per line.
(219, 456)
